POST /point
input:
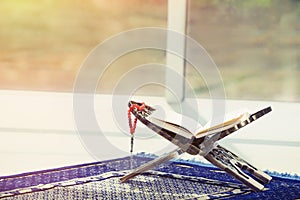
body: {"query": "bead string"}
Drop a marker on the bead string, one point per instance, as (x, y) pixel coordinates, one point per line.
(132, 126)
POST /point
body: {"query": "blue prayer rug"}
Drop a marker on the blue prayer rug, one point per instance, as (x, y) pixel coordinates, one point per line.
(172, 180)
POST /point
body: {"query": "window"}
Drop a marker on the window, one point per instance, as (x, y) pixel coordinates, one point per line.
(43, 43)
(255, 45)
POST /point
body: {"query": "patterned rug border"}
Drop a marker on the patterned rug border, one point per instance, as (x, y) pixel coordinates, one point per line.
(41, 180)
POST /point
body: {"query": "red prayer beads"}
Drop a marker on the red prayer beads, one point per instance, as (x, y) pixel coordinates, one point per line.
(139, 108)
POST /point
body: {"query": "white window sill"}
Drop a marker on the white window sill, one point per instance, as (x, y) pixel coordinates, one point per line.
(37, 131)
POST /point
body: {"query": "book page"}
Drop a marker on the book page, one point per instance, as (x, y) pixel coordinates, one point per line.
(230, 120)
(188, 125)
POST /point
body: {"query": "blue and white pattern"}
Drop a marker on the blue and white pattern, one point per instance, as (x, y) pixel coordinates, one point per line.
(172, 180)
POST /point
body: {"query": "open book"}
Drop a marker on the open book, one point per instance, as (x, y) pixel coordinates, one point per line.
(187, 127)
